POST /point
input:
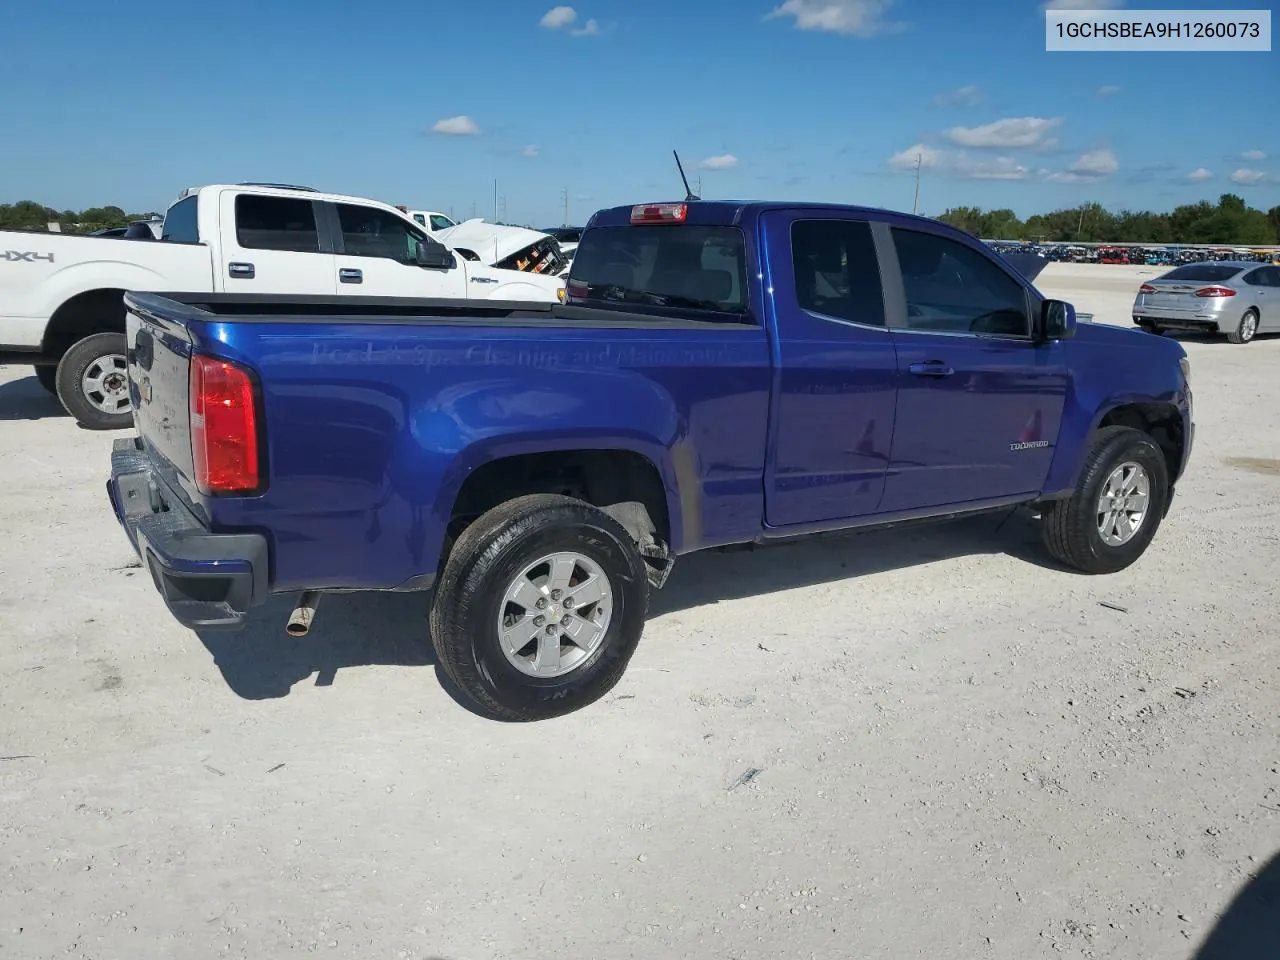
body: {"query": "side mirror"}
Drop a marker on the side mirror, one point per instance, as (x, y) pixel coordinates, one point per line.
(1057, 321)
(434, 255)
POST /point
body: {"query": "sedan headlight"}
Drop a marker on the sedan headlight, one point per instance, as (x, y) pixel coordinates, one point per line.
(1185, 363)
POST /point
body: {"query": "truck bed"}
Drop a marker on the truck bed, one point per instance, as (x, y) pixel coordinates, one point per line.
(292, 308)
(374, 412)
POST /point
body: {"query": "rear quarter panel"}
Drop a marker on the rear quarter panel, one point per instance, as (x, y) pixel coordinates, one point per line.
(52, 268)
(373, 428)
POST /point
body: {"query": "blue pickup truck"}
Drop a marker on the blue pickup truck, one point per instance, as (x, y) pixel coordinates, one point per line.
(720, 373)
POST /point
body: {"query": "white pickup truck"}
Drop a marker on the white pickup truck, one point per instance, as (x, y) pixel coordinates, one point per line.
(61, 295)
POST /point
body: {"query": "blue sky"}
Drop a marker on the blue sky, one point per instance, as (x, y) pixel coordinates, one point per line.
(130, 102)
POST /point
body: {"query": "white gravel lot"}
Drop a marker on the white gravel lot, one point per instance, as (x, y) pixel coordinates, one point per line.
(963, 752)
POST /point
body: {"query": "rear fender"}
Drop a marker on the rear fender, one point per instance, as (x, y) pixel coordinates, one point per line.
(676, 488)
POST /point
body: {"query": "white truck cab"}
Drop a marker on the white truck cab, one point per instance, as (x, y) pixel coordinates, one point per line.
(431, 220)
(61, 295)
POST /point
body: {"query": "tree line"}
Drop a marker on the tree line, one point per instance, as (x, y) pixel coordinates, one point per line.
(1230, 222)
(29, 215)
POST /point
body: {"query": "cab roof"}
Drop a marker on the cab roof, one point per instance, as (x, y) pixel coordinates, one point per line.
(735, 212)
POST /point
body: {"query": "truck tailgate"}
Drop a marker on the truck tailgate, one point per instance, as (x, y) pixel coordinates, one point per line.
(159, 368)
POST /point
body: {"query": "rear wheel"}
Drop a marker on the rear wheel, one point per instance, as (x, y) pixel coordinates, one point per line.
(1119, 501)
(48, 377)
(1246, 329)
(539, 607)
(92, 382)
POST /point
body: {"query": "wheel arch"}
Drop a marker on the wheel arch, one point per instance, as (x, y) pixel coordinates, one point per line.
(632, 479)
(1162, 420)
(99, 310)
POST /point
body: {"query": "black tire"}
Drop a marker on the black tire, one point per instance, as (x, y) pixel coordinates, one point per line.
(488, 556)
(1070, 527)
(1244, 331)
(48, 377)
(70, 373)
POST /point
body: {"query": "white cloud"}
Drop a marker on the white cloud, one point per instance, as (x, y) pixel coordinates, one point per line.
(1246, 177)
(1089, 167)
(1253, 155)
(928, 157)
(1200, 173)
(967, 96)
(1084, 4)
(1009, 133)
(723, 162)
(859, 18)
(558, 17)
(997, 168)
(589, 29)
(959, 164)
(456, 127)
(529, 151)
(1108, 90)
(1096, 163)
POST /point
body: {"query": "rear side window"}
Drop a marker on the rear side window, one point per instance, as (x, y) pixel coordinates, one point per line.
(276, 223)
(701, 267)
(837, 273)
(441, 222)
(369, 232)
(952, 288)
(180, 223)
(1202, 273)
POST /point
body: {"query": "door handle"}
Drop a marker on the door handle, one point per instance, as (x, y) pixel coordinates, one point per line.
(930, 368)
(241, 271)
(349, 275)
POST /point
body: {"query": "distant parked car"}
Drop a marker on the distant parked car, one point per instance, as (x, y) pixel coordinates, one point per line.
(1238, 298)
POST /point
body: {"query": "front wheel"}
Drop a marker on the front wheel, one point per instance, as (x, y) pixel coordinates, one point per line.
(93, 382)
(1119, 501)
(539, 608)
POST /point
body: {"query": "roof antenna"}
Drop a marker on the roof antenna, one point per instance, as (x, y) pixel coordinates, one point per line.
(688, 194)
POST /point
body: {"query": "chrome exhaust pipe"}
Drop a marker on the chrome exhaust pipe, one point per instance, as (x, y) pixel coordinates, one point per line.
(304, 613)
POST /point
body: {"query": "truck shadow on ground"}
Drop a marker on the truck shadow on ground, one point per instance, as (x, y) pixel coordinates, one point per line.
(25, 399)
(353, 630)
(261, 661)
(714, 576)
(1249, 929)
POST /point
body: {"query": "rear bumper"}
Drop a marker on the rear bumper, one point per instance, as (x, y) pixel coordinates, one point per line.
(1185, 323)
(206, 579)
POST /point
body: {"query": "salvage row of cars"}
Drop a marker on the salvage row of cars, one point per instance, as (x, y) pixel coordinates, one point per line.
(61, 295)
(1134, 255)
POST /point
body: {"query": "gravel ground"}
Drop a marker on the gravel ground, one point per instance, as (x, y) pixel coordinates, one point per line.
(958, 751)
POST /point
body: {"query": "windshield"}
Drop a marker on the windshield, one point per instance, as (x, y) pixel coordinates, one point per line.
(701, 267)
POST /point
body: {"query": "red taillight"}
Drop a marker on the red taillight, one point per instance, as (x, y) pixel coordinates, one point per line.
(1215, 292)
(224, 427)
(1146, 288)
(660, 213)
